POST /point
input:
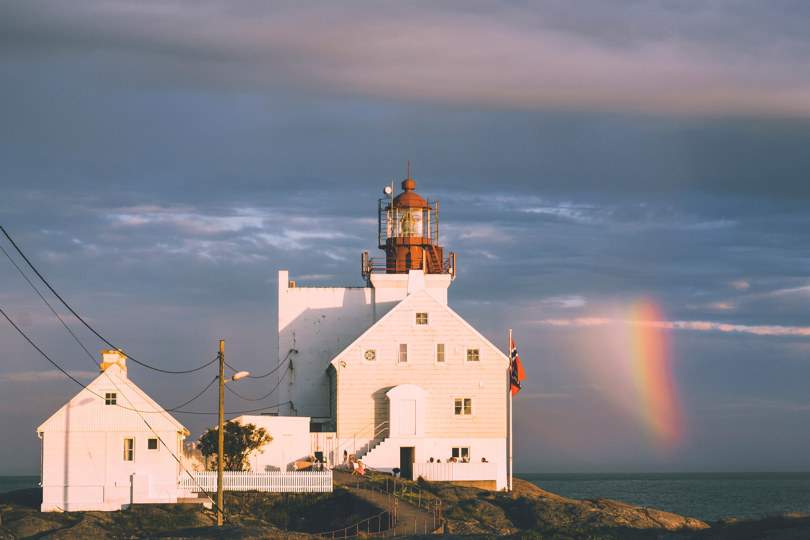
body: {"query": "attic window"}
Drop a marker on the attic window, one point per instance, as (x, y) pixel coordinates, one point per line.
(151, 444)
(421, 319)
(109, 398)
(473, 355)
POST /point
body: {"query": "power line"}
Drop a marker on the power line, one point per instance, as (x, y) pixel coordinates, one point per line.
(61, 320)
(234, 392)
(102, 338)
(235, 412)
(195, 397)
(271, 371)
(57, 366)
(75, 337)
(84, 386)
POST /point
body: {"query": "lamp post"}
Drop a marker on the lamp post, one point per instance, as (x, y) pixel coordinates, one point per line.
(220, 431)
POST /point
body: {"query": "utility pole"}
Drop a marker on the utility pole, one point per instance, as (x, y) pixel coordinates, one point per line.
(221, 435)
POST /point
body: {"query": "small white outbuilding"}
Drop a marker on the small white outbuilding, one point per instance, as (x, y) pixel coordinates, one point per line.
(110, 446)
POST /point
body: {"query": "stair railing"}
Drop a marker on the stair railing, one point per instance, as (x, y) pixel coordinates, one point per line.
(369, 432)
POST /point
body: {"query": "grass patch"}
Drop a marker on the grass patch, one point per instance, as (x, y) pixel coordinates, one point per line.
(153, 519)
(302, 512)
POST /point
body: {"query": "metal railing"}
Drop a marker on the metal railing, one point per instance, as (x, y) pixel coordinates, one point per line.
(379, 265)
(388, 491)
(369, 436)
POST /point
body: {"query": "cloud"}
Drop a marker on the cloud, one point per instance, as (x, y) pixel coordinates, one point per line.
(700, 326)
(703, 60)
(565, 302)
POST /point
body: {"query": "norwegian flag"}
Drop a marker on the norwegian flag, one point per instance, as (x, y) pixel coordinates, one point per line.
(516, 373)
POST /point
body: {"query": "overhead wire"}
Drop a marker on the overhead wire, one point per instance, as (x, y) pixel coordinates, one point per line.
(75, 337)
(34, 345)
(84, 386)
(174, 409)
(237, 412)
(73, 334)
(271, 371)
(234, 392)
(80, 319)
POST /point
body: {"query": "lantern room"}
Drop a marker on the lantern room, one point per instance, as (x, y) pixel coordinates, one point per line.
(408, 232)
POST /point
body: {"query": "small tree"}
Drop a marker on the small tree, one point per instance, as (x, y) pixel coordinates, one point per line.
(239, 441)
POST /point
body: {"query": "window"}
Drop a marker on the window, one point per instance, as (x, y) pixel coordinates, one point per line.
(151, 444)
(440, 353)
(109, 398)
(403, 353)
(463, 406)
(473, 355)
(461, 453)
(421, 319)
(370, 355)
(129, 449)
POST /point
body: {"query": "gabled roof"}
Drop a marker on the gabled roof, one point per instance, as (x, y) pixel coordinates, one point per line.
(405, 304)
(134, 410)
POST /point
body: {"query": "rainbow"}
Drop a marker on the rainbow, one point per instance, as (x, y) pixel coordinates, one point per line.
(656, 401)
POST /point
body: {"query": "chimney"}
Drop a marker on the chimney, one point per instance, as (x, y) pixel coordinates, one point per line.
(110, 358)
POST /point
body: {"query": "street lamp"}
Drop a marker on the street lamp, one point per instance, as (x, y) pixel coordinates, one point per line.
(220, 434)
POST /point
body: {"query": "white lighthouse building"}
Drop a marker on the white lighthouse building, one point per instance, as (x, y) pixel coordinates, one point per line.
(388, 372)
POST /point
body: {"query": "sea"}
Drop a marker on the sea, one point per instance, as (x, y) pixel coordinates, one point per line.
(705, 496)
(13, 483)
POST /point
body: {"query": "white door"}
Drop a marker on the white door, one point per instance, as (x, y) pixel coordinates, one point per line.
(407, 417)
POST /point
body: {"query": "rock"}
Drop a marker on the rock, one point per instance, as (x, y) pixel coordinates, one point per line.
(472, 511)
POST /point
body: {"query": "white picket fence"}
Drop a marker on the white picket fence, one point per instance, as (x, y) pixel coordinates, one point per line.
(276, 481)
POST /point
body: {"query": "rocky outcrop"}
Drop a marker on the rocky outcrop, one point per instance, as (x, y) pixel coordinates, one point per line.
(472, 511)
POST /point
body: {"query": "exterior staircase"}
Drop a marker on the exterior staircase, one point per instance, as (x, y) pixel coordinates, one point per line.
(381, 455)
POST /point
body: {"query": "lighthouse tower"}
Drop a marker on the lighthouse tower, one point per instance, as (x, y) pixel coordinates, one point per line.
(408, 232)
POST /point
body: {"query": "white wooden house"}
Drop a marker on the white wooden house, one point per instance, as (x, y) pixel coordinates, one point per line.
(394, 374)
(422, 383)
(110, 446)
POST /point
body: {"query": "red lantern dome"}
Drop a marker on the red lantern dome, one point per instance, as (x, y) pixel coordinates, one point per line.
(409, 235)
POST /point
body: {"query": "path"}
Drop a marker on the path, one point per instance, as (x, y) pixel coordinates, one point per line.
(411, 518)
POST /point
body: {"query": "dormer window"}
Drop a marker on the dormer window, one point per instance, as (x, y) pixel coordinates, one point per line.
(421, 319)
(109, 398)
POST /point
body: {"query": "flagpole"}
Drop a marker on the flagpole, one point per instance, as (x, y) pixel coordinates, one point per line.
(509, 389)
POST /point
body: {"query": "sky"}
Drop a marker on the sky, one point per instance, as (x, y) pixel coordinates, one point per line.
(626, 186)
